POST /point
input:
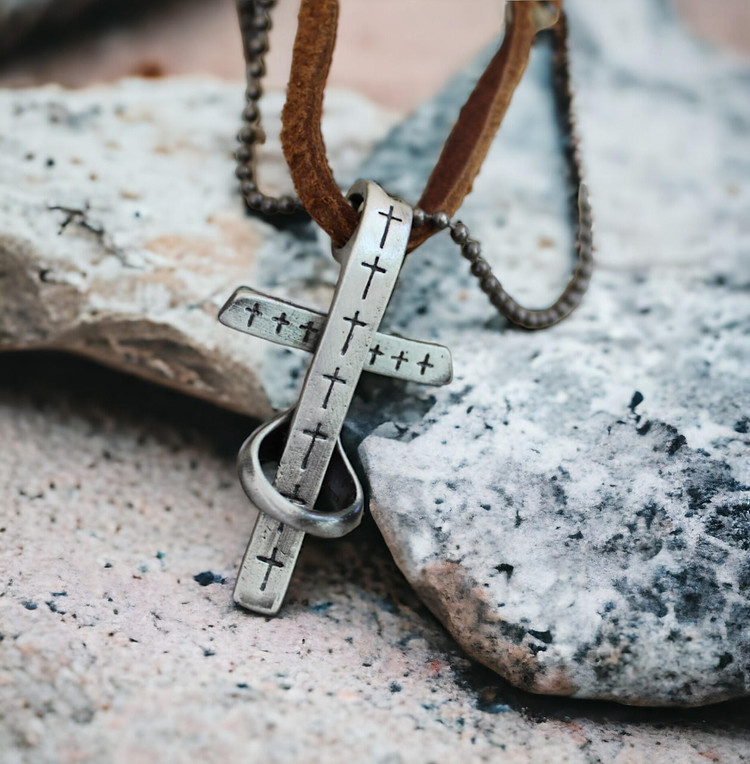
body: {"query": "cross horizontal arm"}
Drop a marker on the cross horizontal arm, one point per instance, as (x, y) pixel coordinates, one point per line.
(290, 325)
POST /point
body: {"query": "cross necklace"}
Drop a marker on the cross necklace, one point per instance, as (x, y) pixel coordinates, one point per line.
(293, 468)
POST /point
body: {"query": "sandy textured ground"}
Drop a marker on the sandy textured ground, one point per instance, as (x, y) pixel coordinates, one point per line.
(118, 496)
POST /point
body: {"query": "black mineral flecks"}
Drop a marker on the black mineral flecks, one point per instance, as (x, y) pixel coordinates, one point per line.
(207, 577)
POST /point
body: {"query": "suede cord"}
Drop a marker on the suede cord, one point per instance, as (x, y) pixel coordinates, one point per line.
(464, 150)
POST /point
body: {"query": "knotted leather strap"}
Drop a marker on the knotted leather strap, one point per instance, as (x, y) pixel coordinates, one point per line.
(467, 144)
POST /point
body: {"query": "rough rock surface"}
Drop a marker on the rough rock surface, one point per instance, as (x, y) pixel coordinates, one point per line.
(122, 231)
(575, 506)
(122, 527)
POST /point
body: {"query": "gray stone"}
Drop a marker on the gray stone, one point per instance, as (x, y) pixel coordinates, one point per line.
(122, 231)
(575, 508)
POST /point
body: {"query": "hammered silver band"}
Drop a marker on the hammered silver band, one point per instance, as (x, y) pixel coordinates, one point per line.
(329, 524)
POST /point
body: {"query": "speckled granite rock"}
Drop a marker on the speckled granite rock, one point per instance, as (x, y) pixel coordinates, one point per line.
(576, 506)
(122, 526)
(122, 231)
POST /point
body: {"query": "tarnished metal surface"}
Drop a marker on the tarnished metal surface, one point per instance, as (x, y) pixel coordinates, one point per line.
(285, 323)
(370, 264)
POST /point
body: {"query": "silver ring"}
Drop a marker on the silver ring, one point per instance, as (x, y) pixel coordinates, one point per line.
(340, 485)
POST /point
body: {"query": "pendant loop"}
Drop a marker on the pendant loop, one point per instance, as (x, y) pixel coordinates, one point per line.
(340, 505)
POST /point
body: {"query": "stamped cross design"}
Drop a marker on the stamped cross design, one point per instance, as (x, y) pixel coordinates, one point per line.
(389, 216)
(333, 378)
(303, 330)
(374, 269)
(272, 563)
(254, 313)
(345, 343)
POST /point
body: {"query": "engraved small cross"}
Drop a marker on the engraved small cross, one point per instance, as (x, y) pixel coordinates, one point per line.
(389, 216)
(333, 378)
(254, 312)
(374, 268)
(272, 563)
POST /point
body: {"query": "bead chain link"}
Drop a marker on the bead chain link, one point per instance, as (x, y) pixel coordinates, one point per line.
(255, 23)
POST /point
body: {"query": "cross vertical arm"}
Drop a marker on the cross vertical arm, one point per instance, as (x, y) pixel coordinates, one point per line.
(345, 343)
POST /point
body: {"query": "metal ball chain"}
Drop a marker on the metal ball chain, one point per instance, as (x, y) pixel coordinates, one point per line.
(516, 313)
(580, 212)
(255, 23)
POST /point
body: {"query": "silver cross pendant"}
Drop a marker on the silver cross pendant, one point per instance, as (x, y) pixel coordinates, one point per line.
(293, 468)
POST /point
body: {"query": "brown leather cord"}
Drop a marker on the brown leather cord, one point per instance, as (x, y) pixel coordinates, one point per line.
(464, 151)
(301, 136)
(469, 141)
